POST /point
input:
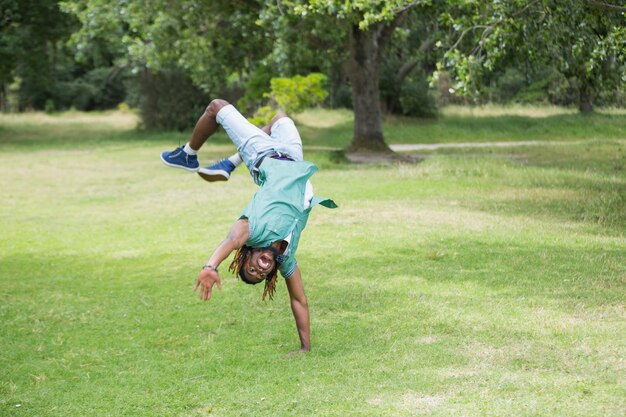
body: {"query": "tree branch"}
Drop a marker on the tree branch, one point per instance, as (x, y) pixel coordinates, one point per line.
(407, 7)
(409, 66)
(458, 41)
(606, 6)
(280, 8)
(386, 31)
(491, 27)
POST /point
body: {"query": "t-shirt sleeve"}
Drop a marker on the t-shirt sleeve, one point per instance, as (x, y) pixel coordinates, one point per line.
(288, 267)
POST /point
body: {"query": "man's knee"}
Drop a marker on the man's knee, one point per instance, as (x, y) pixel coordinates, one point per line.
(277, 117)
(215, 106)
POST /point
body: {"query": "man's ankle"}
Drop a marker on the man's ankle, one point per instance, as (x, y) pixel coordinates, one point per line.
(235, 159)
(189, 150)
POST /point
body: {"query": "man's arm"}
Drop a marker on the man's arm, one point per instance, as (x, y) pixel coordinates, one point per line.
(208, 276)
(300, 309)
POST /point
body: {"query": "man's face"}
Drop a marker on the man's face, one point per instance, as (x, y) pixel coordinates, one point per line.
(260, 263)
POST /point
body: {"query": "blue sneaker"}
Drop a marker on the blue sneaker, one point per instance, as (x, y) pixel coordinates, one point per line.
(219, 171)
(180, 159)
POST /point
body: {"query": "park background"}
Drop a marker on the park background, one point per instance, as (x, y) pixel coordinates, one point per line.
(475, 265)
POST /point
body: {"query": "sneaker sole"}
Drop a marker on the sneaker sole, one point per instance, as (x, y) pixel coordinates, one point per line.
(213, 176)
(179, 166)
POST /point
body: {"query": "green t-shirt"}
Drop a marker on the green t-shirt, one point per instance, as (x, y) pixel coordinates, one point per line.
(277, 211)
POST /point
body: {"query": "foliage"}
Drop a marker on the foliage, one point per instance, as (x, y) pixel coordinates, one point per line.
(31, 48)
(416, 98)
(366, 27)
(170, 101)
(291, 95)
(510, 50)
(255, 89)
(205, 41)
(262, 116)
(407, 62)
(582, 40)
(299, 92)
(363, 13)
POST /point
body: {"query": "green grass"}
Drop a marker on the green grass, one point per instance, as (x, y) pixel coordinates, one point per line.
(479, 126)
(477, 282)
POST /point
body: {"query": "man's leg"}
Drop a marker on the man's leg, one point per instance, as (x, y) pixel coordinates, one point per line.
(186, 157)
(285, 135)
(221, 170)
(268, 128)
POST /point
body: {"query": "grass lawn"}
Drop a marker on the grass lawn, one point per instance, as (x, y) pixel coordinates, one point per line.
(476, 282)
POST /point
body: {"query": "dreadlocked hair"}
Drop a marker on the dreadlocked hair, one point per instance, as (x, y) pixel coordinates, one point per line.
(240, 258)
(236, 267)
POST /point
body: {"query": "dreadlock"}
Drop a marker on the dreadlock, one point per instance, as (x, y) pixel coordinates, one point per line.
(236, 267)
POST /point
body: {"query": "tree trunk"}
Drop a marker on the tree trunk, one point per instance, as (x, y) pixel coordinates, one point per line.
(3, 102)
(585, 102)
(362, 68)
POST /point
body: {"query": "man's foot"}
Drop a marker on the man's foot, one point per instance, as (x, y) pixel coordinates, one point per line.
(180, 159)
(219, 171)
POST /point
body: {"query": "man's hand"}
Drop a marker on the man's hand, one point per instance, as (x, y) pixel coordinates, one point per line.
(206, 279)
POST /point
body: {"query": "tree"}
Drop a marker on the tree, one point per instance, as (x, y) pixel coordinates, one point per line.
(206, 47)
(32, 33)
(368, 26)
(583, 39)
(206, 40)
(210, 41)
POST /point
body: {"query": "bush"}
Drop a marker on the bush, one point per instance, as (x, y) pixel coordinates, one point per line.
(255, 89)
(298, 93)
(291, 95)
(109, 87)
(49, 106)
(75, 93)
(508, 85)
(416, 99)
(535, 93)
(342, 97)
(262, 116)
(170, 101)
(445, 91)
(98, 89)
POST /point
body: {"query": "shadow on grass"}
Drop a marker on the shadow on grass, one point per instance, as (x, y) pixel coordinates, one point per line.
(504, 128)
(66, 136)
(582, 182)
(450, 129)
(604, 209)
(576, 271)
(76, 133)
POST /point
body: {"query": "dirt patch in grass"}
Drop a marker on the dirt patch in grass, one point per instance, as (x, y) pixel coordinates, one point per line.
(382, 158)
(426, 218)
(421, 404)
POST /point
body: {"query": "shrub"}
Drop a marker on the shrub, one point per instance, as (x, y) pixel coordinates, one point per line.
(255, 89)
(170, 101)
(49, 106)
(508, 85)
(291, 95)
(416, 99)
(262, 116)
(298, 93)
(342, 97)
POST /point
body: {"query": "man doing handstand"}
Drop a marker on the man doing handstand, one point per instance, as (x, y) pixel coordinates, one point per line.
(266, 235)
